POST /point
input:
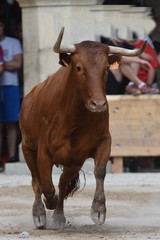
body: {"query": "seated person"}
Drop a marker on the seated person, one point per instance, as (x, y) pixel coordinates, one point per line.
(145, 74)
(118, 79)
(127, 74)
(1, 61)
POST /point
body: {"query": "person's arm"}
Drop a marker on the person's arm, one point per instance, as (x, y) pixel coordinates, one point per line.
(135, 60)
(1, 68)
(14, 64)
(158, 58)
(146, 56)
(1, 61)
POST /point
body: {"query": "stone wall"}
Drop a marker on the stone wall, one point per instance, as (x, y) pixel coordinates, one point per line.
(83, 20)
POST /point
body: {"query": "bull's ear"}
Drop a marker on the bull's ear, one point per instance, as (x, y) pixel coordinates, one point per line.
(64, 59)
(114, 61)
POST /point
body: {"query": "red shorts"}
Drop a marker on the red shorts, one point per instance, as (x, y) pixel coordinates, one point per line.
(142, 74)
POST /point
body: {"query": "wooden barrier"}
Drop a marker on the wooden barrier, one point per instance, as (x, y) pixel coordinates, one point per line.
(134, 127)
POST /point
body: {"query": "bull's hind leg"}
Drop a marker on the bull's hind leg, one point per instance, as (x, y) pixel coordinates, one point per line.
(38, 211)
(68, 184)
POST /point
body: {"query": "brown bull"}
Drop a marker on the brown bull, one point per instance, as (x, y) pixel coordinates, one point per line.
(64, 120)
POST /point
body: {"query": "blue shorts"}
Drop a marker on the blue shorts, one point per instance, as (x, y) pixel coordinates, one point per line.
(9, 103)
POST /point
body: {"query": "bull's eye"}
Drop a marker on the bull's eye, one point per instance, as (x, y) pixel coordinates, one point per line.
(78, 68)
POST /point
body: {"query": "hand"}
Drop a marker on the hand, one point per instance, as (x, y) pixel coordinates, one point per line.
(14, 64)
(1, 68)
(145, 64)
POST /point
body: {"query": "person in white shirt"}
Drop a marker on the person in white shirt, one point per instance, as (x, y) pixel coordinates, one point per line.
(9, 91)
(1, 61)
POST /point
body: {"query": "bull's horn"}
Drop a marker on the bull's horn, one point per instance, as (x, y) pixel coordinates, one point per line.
(62, 49)
(128, 52)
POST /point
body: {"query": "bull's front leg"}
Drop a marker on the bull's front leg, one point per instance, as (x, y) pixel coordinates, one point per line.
(38, 211)
(98, 210)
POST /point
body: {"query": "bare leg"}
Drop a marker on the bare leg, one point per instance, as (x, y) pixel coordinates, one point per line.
(1, 126)
(117, 74)
(1, 164)
(12, 131)
(130, 74)
(151, 72)
(135, 67)
(151, 75)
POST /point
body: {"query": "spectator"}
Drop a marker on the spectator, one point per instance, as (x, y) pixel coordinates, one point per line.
(137, 85)
(145, 74)
(9, 92)
(126, 78)
(119, 78)
(1, 61)
(1, 71)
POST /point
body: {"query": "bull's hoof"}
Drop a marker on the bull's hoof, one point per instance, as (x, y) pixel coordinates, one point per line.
(98, 217)
(40, 221)
(59, 220)
(39, 215)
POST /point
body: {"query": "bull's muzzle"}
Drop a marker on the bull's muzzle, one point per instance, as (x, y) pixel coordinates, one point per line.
(97, 105)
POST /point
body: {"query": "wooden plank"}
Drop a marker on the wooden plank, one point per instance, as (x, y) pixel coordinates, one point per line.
(135, 125)
(117, 165)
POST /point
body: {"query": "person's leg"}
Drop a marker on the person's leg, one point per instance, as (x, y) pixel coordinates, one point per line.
(135, 67)
(1, 163)
(112, 84)
(136, 86)
(117, 74)
(1, 126)
(151, 76)
(11, 128)
(12, 108)
(128, 72)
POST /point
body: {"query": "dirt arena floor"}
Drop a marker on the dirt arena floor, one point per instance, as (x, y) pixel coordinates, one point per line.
(133, 208)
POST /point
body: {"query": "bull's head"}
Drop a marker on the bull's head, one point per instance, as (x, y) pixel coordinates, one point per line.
(90, 61)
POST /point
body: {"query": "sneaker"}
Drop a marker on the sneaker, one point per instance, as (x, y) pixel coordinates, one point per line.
(153, 90)
(149, 90)
(132, 89)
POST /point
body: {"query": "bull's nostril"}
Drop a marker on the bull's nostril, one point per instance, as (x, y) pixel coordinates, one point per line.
(93, 104)
(97, 105)
(103, 103)
(100, 103)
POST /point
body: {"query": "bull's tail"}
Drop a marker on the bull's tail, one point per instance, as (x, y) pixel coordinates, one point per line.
(73, 186)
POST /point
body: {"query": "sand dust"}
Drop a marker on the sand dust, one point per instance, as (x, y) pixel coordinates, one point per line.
(133, 208)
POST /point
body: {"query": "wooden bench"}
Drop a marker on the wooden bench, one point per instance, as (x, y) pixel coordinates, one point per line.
(134, 127)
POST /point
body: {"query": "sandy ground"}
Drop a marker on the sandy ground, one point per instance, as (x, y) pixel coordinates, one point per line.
(133, 208)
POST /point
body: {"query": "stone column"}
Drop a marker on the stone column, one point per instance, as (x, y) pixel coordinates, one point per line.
(42, 21)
